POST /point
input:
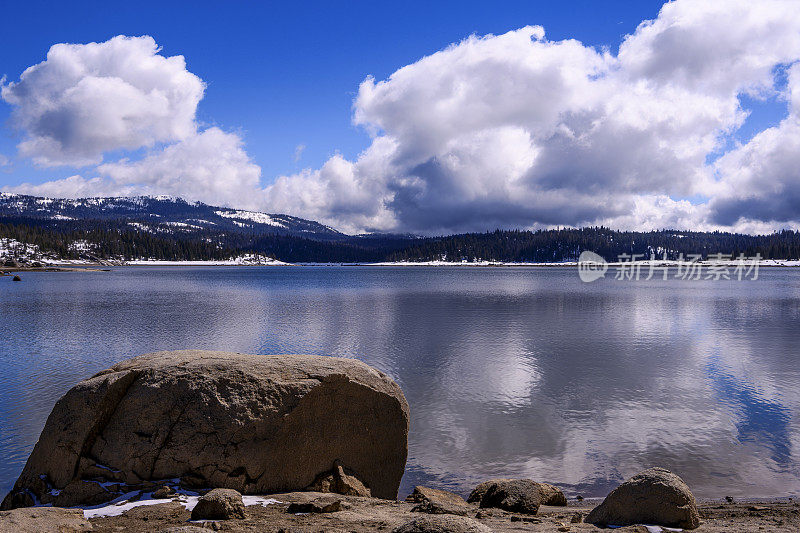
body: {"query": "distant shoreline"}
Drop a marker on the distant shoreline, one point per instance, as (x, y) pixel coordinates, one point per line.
(79, 266)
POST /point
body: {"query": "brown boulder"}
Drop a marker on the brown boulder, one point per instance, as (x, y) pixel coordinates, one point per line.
(551, 495)
(258, 424)
(44, 520)
(515, 495)
(655, 496)
(219, 504)
(442, 524)
(436, 501)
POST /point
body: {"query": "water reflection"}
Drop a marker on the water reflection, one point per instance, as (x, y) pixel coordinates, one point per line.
(758, 419)
(509, 372)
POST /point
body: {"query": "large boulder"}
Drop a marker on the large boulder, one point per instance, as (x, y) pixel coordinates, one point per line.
(254, 423)
(655, 496)
(515, 495)
(548, 494)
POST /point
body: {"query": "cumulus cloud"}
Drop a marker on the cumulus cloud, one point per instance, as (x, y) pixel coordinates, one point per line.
(211, 166)
(71, 187)
(510, 130)
(515, 130)
(88, 99)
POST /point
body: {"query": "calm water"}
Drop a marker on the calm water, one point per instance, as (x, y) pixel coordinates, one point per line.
(508, 371)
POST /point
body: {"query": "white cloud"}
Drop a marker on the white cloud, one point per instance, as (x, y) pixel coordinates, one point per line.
(517, 131)
(298, 152)
(211, 166)
(71, 187)
(88, 99)
(509, 130)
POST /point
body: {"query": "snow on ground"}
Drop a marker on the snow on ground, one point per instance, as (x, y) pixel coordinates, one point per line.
(186, 498)
(248, 259)
(260, 218)
(82, 246)
(181, 225)
(15, 248)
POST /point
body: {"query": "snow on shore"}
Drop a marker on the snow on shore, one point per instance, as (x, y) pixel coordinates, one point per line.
(186, 498)
(251, 260)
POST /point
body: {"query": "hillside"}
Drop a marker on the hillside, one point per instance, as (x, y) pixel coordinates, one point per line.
(165, 228)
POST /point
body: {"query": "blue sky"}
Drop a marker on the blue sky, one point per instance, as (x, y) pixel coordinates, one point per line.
(286, 73)
(430, 117)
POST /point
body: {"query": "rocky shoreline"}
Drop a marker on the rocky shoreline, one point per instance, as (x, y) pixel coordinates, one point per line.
(361, 515)
(171, 441)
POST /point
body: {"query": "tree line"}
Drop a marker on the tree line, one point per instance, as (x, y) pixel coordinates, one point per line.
(117, 239)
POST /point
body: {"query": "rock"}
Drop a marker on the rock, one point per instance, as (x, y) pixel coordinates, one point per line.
(728, 499)
(442, 524)
(254, 423)
(86, 492)
(436, 501)
(16, 278)
(551, 495)
(219, 504)
(316, 505)
(340, 480)
(44, 520)
(655, 496)
(163, 492)
(515, 495)
(185, 529)
(577, 518)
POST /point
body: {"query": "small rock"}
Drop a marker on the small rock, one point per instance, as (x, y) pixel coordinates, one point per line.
(442, 524)
(484, 513)
(89, 492)
(16, 278)
(564, 528)
(219, 504)
(515, 495)
(655, 496)
(579, 498)
(577, 518)
(436, 501)
(162, 493)
(340, 480)
(317, 505)
(728, 499)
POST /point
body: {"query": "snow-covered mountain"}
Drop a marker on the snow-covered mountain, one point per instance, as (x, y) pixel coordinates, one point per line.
(163, 214)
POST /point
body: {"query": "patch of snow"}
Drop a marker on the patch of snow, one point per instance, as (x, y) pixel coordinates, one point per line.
(82, 246)
(242, 260)
(253, 216)
(186, 498)
(181, 225)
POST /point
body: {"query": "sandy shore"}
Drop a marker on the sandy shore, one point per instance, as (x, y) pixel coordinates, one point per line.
(372, 515)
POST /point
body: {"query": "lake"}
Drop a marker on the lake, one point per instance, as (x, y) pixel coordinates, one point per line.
(509, 372)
